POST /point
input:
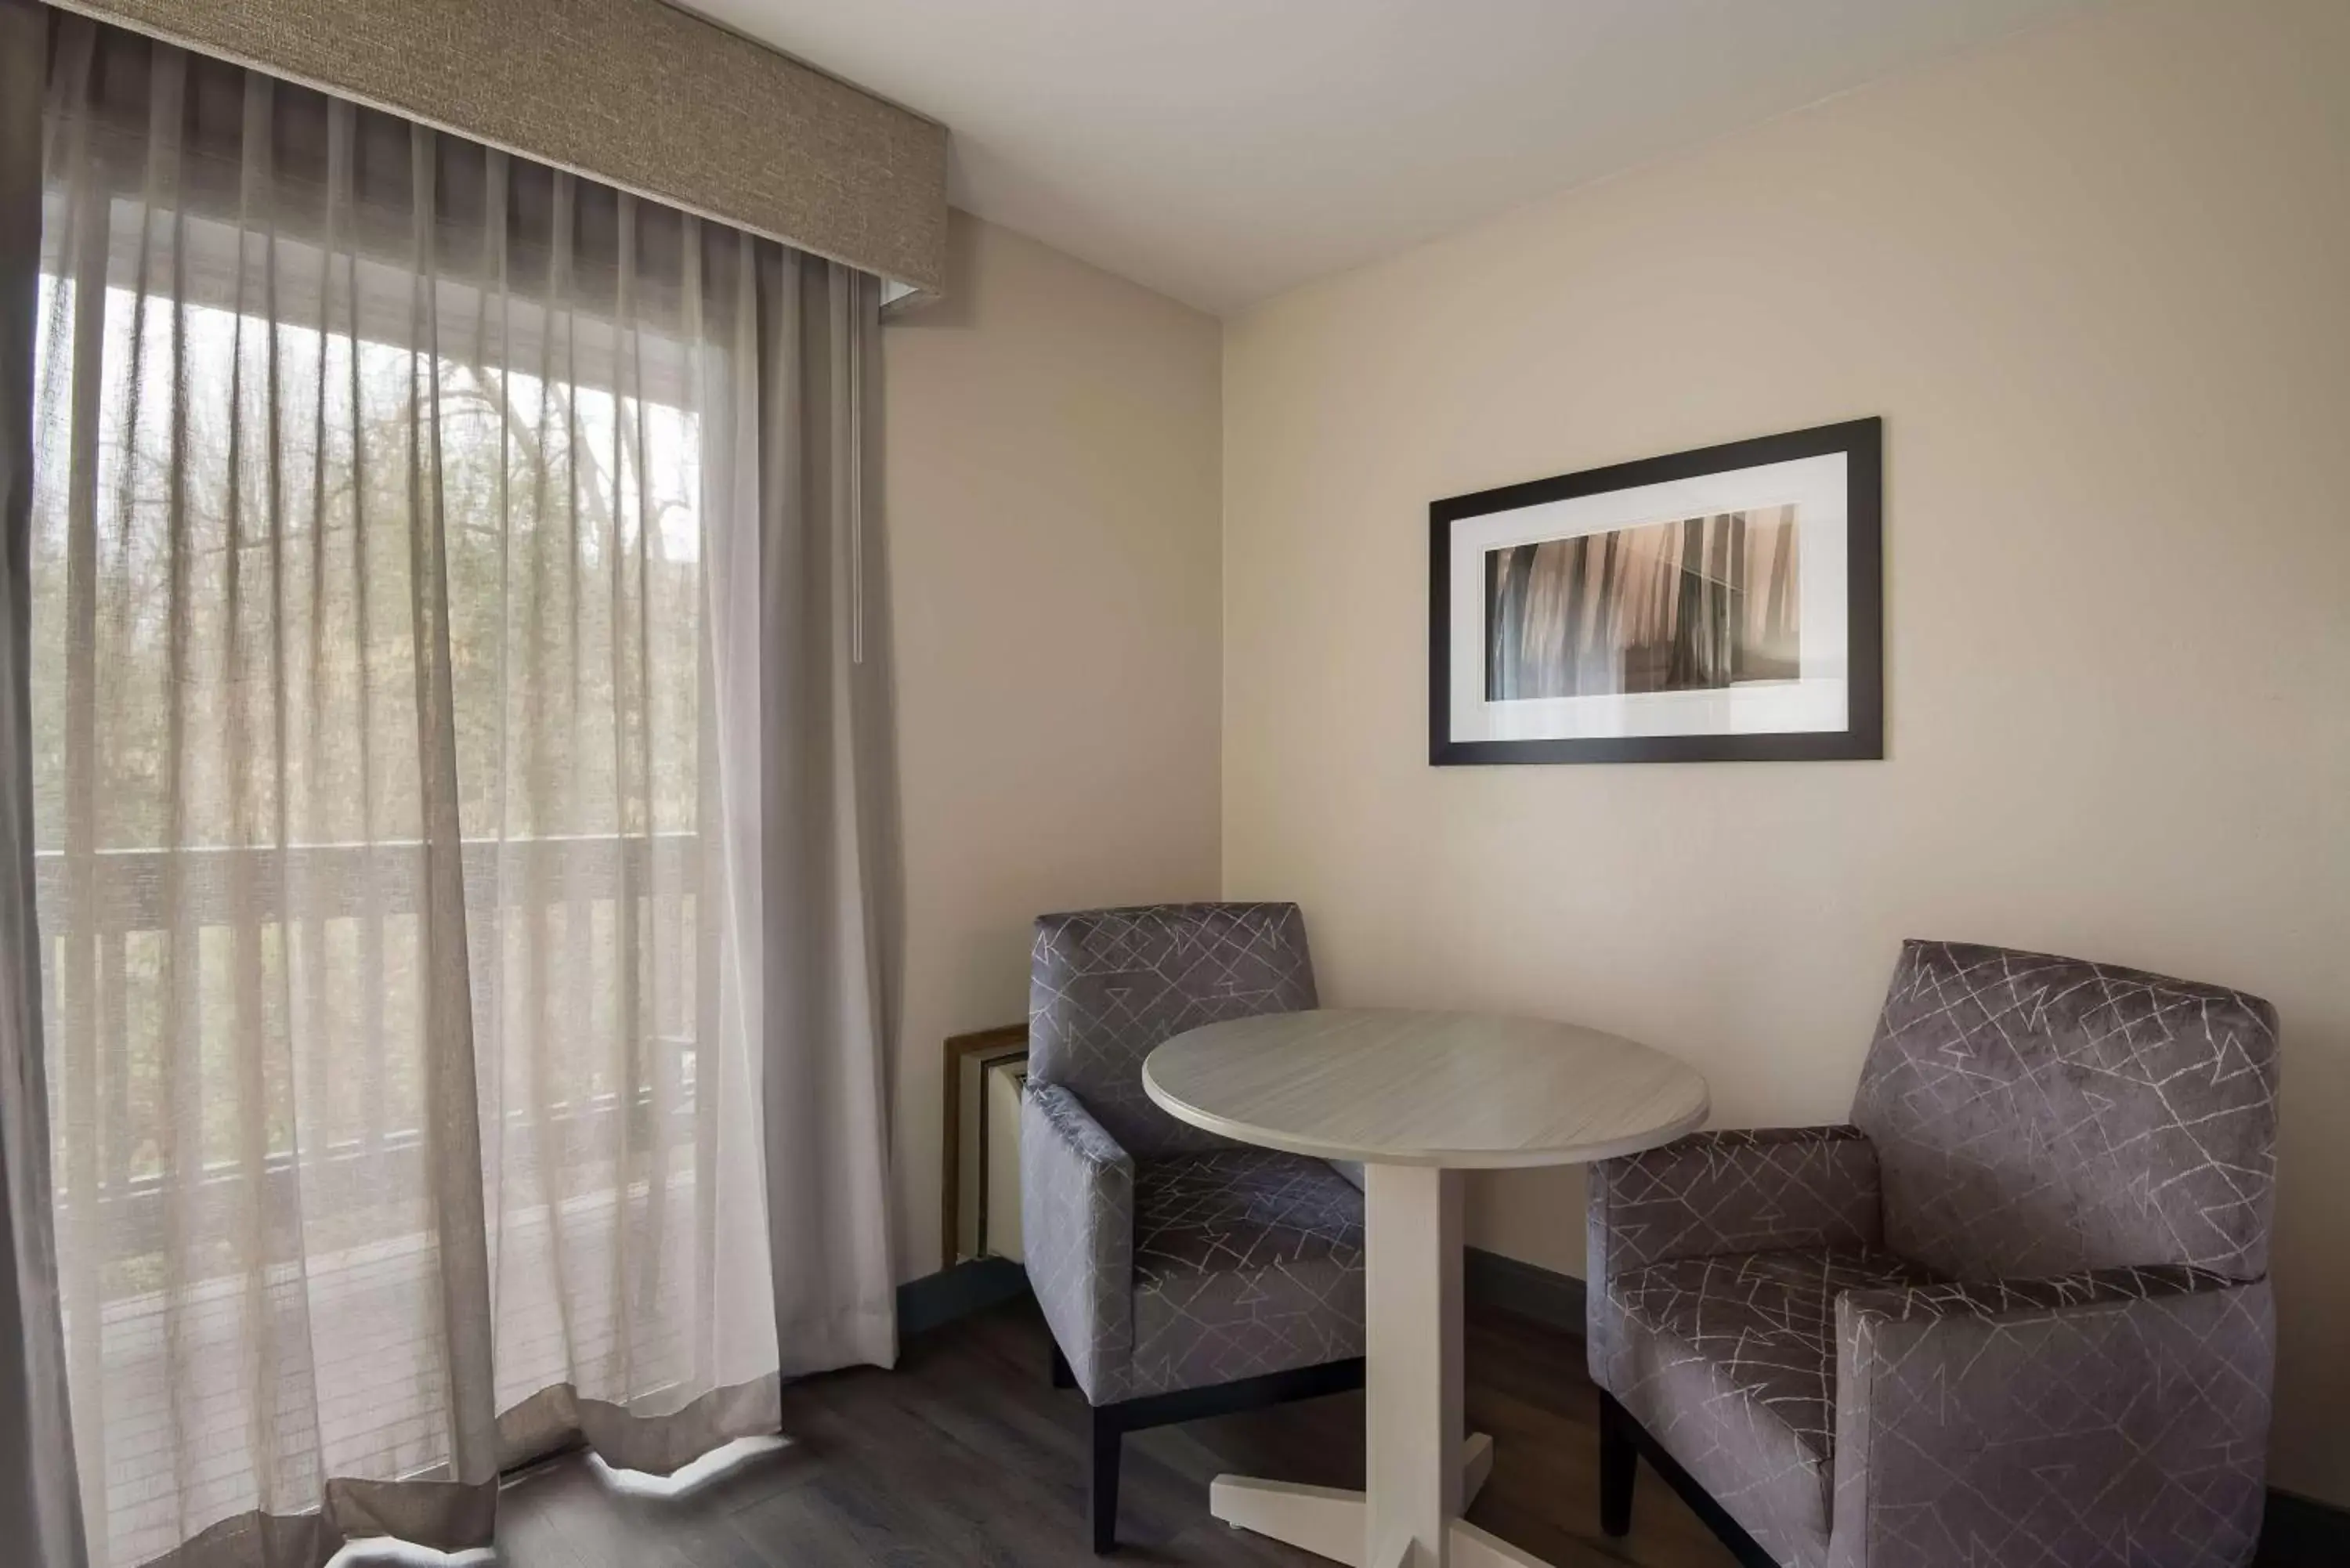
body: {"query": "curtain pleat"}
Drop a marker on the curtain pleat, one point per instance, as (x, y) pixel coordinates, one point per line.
(40, 1501)
(456, 823)
(823, 898)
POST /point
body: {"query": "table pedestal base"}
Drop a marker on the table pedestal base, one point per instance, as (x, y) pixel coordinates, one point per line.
(1420, 1472)
(1334, 1523)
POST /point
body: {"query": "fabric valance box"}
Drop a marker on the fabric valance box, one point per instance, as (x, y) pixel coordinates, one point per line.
(635, 93)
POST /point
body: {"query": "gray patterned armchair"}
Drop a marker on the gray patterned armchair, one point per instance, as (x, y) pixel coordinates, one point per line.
(2016, 1313)
(1182, 1274)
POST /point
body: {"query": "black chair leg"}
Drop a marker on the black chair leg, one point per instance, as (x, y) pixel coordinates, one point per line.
(1062, 1376)
(1619, 1462)
(1109, 1438)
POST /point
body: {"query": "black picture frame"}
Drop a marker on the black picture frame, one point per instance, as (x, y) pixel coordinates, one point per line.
(1861, 442)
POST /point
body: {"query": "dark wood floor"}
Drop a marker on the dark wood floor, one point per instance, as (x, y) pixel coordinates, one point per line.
(966, 1455)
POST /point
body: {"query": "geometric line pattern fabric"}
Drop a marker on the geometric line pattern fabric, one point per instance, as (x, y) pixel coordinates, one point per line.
(1240, 1211)
(1246, 1260)
(1106, 987)
(1768, 1319)
(1725, 1192)
(2034, 1332)
(1994, 1299)
(1076, 1207)
(1165, 1257)
(2114, 1419)
(2035, 1115)
(1733, 1191)
(1730, 1362)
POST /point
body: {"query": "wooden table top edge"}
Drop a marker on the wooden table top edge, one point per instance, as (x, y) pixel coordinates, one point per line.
(1482, 1158)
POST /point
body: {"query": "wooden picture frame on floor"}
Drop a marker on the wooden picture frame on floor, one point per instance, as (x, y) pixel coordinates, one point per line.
(962, 1132)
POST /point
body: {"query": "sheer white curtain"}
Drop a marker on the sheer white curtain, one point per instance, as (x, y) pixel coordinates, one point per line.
(451, 758)
(40, 1515)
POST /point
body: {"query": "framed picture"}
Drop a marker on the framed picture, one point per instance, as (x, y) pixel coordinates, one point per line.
(1724, 605)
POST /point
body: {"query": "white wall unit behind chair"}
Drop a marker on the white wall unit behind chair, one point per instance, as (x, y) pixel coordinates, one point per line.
(999, 1228)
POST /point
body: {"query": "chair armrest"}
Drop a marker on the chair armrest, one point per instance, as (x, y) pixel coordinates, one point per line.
(2066, 1413)
(1733, 1191)
(1076, 1232)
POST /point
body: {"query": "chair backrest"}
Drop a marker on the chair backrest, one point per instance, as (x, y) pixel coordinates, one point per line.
(1105, 986)
(2036, 1114)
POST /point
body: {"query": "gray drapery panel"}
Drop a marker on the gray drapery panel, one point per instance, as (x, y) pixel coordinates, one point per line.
(827, 879)
(462, 891)
(40, 1509)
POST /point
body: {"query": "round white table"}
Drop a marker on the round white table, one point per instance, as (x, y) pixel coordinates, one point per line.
(1416, 1097)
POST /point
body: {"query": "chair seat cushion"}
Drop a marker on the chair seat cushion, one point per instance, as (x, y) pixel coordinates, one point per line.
(1730, 1363)
(1245, 1262)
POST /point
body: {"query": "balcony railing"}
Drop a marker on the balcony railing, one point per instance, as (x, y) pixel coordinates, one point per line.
(96, 905)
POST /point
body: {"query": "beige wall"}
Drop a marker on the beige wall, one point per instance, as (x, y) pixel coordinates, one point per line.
(1053, 452)
(2095, 279)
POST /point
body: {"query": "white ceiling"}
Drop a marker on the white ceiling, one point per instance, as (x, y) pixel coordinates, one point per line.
(1222, 151)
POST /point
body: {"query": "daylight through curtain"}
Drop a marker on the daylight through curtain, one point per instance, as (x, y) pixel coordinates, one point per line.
(40, 1516)
(424, 547)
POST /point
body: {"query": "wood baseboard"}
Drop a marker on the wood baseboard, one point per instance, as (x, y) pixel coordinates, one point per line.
(933, 1301)
(1529, 1290)
(2299, 1532)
